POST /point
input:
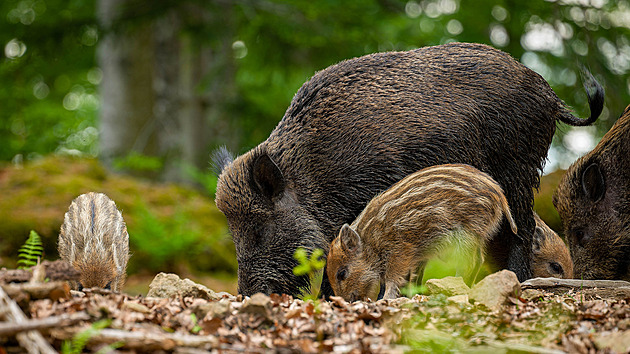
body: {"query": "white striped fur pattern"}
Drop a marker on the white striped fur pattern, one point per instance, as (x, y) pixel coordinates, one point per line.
(94, 240)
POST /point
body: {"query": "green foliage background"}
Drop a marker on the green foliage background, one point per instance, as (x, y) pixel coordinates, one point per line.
(50, 74)
(49, 79)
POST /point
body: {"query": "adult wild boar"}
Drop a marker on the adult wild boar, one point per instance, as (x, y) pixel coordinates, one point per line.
(593, 200)
(359, 126)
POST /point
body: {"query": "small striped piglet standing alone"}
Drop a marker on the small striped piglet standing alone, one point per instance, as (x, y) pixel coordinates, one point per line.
(400, 229)
(94, 240)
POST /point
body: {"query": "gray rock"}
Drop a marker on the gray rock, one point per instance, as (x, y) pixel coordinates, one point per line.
(259, 304)
(494, 290)
(167, 285)
(459, 299)
(449, 286)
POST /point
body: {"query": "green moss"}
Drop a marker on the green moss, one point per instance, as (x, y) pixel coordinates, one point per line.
(170, 226)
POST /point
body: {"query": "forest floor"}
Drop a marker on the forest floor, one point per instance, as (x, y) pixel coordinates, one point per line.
(539, 318)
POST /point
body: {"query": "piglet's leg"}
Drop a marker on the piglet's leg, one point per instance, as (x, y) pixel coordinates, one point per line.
(391, 291)
(419, 273)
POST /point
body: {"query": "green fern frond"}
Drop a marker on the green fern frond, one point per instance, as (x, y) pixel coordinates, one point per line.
(31, 252)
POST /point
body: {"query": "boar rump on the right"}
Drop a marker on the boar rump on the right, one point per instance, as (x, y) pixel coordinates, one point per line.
(593, 200)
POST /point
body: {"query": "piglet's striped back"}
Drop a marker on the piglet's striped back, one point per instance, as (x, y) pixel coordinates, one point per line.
(94, 240)
(436, 196)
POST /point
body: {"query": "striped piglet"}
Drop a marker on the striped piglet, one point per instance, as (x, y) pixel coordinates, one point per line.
(400, 229)
(94, 240)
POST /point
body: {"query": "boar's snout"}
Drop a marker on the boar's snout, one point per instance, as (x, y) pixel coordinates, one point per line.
(258, 276)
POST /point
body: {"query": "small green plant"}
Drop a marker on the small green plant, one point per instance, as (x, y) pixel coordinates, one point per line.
(31, 252)
(81, 339)
(312, 266)
(196, 327)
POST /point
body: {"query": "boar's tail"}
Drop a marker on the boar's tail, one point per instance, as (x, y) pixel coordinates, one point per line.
(595, 94)
(220, 158)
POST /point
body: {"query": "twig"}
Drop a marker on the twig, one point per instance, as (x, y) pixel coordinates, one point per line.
(32, 341)
(142, 340)
(55, 271)
(14, 275)
(573, 283)
(11, 329)
(52, 290)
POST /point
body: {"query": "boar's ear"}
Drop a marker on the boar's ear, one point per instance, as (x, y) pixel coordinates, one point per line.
(268, 177)
(538, 239)
(350, 240)
(593, 183)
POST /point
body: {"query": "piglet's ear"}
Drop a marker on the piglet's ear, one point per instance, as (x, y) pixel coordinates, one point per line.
(268, 177)
(538, 240)
(593, 183)
(350, 240)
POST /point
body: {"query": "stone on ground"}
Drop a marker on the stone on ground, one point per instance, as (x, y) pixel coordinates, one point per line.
(495, 289)
(449, 286)
(258, 304)
(167, 285)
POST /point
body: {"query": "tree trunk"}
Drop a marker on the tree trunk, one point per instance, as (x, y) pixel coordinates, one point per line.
(154, 100)
(126, 57)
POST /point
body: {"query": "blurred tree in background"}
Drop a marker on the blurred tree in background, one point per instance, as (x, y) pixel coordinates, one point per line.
(178, 78)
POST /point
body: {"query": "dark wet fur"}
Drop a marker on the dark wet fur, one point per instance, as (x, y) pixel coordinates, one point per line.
(359, 126)
(593, 200)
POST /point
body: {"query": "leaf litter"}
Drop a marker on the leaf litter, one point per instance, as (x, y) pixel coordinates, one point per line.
(543, 323)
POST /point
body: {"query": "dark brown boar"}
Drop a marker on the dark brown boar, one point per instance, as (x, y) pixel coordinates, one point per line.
(359, 126)
(593, 200)
(551, 256)
(411, 222)
(94, 240)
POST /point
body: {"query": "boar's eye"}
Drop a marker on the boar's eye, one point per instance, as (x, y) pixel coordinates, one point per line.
(556, 268)
(581, 236)
(342, 274)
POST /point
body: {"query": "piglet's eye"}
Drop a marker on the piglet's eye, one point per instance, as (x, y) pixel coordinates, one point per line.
(108, 286)
(556, 268)
(80, 287)
(342, 274)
